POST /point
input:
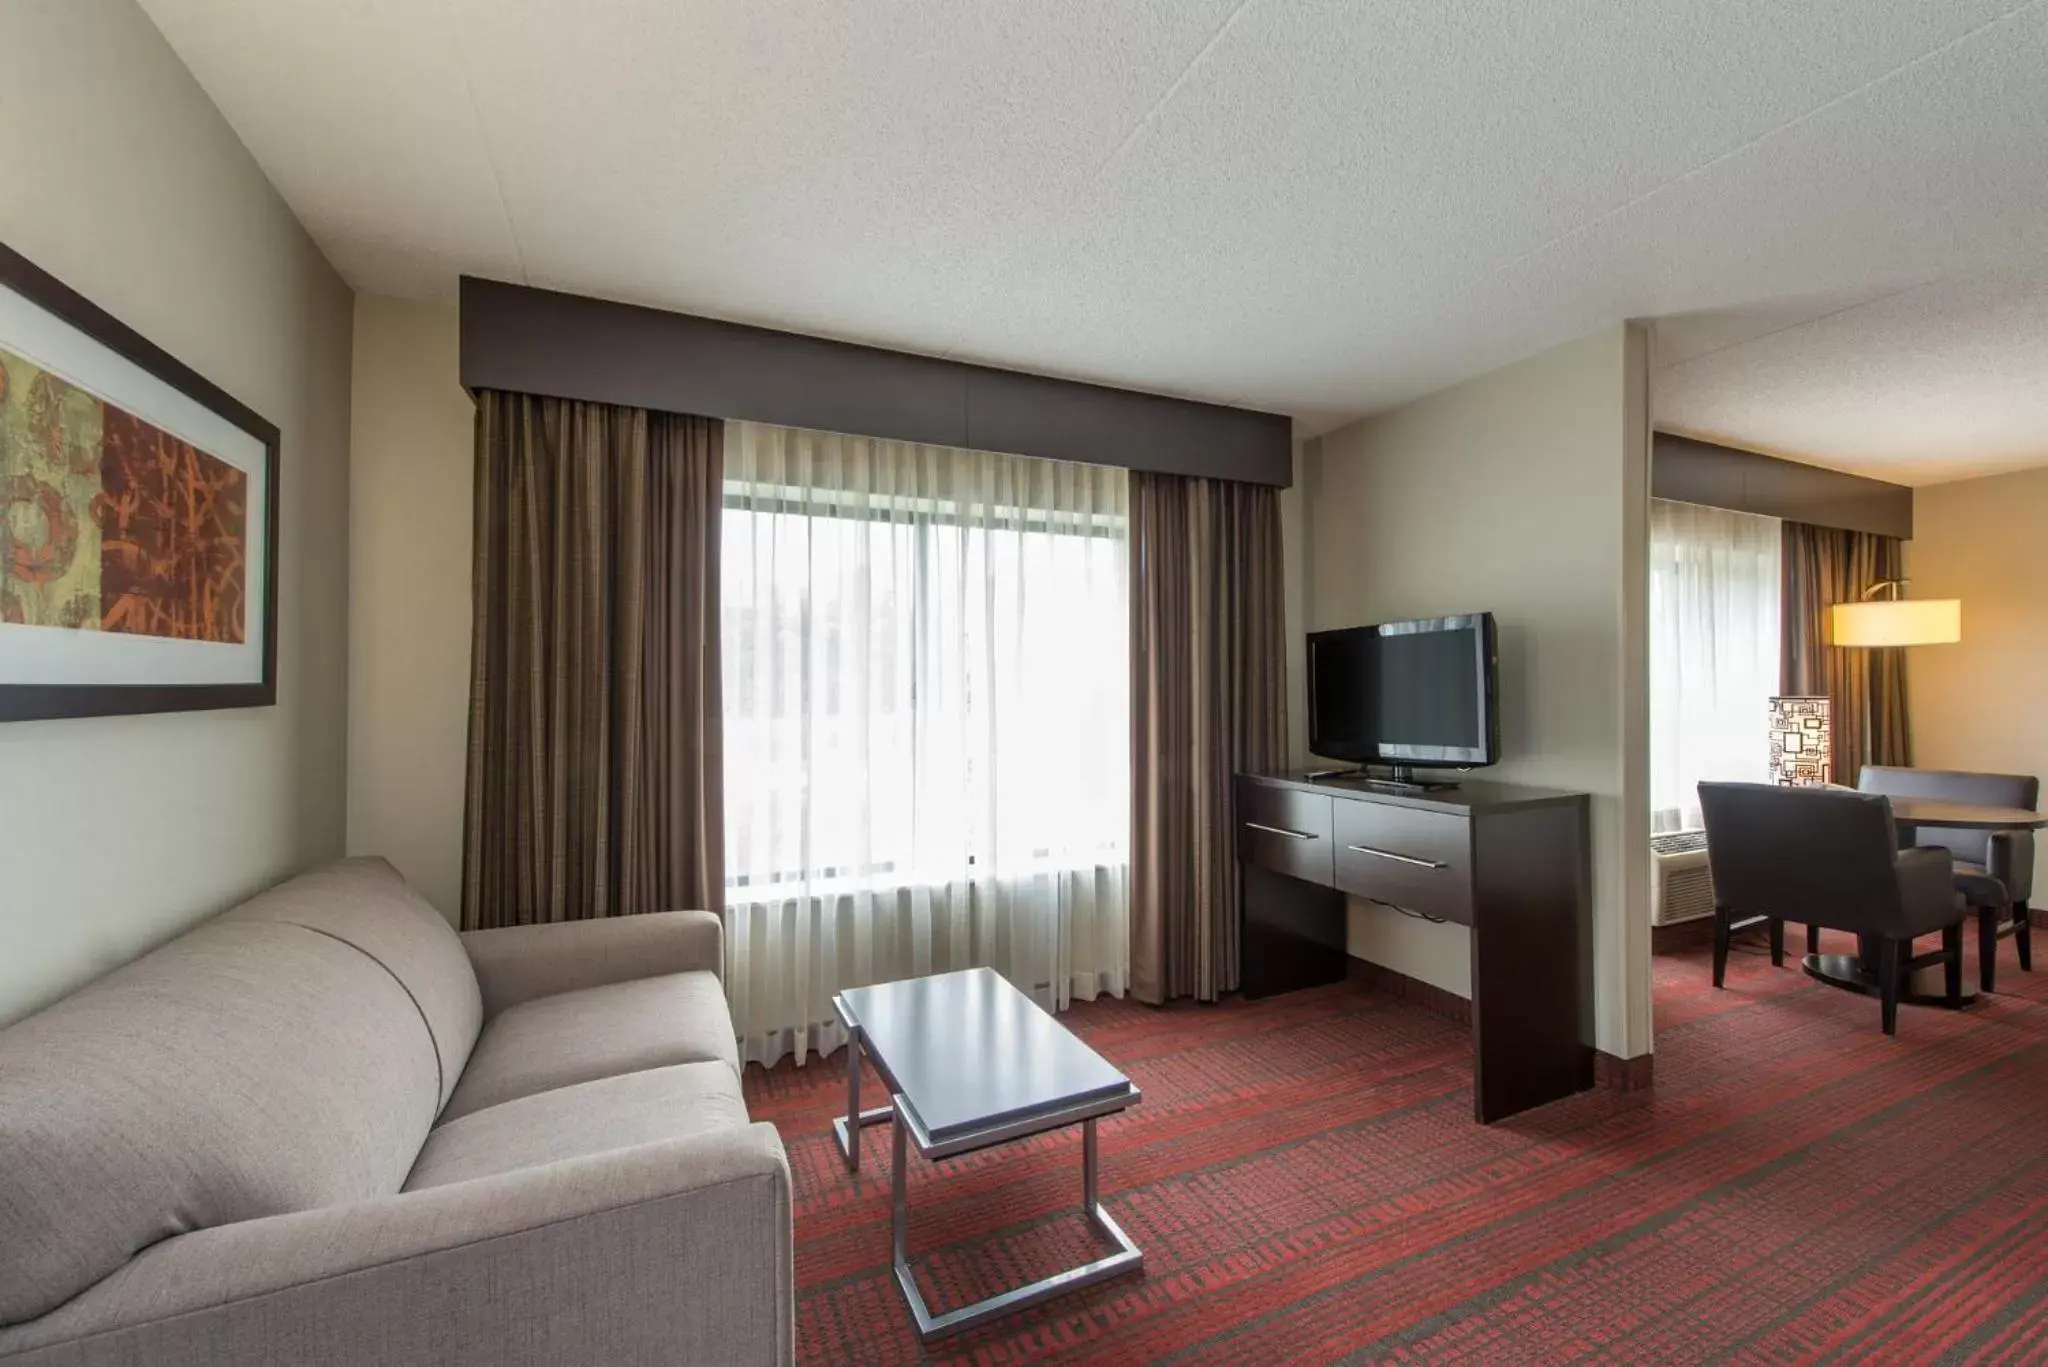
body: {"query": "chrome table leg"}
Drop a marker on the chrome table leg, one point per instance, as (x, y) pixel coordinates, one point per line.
(846, 1128)
(1127, 1258)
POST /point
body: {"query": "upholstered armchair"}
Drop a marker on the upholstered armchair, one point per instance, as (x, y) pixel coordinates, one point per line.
(1829, 857)
(1994, 869)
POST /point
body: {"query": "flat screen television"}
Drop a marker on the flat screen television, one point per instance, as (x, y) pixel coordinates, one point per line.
(1407, 694)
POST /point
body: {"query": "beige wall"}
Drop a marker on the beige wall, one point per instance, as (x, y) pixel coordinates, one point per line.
(1978, 704)
(118, 176)
(1523, 493)
(409, 620)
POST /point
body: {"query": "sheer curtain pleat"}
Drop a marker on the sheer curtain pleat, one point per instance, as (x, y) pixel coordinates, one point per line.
(927, 724)
(1714, 602)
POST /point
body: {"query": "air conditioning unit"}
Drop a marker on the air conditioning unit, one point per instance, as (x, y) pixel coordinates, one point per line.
(1681, 888)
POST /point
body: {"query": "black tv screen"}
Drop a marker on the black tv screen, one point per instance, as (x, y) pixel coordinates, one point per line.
(1406, 693)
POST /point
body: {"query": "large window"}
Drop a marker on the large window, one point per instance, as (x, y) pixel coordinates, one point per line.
(1714, 596)
(926, 704)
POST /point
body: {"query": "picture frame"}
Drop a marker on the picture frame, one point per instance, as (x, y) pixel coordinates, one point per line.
(139, 515)
(138, 519)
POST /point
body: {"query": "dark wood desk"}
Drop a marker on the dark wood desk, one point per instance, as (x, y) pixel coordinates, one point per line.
(1512, 864)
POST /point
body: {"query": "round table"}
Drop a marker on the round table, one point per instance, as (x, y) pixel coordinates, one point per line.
(1853, 972)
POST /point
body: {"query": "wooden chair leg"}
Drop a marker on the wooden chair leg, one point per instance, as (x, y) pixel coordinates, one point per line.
(1813, 939)
(1722, 916)
(1888, 983)
(1952, 966)
(1987, 947)
(1777, 943)
(2023, 935)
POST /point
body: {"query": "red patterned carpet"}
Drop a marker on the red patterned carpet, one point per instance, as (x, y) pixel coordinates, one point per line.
(1308, 1186)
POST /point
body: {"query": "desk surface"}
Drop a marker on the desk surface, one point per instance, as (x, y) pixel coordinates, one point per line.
(1471, 796)
(1967, 816)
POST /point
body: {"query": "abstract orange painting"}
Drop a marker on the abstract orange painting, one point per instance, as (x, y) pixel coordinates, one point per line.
(109, 523)
(138, 519)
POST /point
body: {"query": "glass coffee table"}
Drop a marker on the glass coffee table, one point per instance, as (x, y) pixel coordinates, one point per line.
(971, 1062)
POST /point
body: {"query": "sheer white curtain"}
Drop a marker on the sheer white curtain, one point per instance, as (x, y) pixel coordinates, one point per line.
(927, 737)
(1714, 596)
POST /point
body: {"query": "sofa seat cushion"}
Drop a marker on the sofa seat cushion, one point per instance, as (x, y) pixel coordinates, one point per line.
(575, 1122)
(597, 1032)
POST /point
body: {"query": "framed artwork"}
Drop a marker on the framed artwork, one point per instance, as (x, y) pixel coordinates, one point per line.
(138, 520)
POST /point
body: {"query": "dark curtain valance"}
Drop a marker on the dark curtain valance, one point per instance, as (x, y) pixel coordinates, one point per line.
(541, 342)
(1687, 470)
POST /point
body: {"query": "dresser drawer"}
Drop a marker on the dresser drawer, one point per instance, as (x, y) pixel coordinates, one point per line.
(1285, 830)
(1418, 860)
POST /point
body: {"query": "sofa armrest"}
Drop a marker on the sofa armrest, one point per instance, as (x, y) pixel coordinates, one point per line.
(678, 1251)
(2011, 861)
(518, 963)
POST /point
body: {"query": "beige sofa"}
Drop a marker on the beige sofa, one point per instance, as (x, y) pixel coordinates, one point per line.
(323, 1128)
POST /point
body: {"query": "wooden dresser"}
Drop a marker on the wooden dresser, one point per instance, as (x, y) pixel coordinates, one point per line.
(1514, 865)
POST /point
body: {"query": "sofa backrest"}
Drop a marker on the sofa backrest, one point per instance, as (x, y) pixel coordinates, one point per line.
(259, 1064)
(366, 903)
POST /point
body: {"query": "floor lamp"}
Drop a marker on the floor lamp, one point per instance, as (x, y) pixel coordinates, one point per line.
(1897, 620)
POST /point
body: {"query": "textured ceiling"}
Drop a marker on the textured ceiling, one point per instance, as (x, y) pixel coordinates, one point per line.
(1943, 381)
(1317, 207)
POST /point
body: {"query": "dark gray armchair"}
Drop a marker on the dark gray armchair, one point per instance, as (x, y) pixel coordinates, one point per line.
(1994, 869)
(1829, 857)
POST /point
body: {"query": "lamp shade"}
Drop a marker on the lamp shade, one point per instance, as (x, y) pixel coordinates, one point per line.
(1903, 622)
(1802, 742)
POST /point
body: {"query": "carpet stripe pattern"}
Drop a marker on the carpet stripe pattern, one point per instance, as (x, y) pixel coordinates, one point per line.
(1308, 1186)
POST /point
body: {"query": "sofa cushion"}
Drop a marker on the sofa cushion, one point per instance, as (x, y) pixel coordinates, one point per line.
(244, 1069)
(365, 903)
(575, 1122)
(597, 1032)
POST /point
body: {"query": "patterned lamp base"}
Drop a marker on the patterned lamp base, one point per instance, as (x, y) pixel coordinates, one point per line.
(1802, 742)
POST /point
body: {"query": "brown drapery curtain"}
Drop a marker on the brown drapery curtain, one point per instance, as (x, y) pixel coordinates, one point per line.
(595, 752)
(1208, 698)
(1823, 566)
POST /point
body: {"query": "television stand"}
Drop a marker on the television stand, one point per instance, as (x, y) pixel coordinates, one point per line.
(1398, 778)
(1511, 865)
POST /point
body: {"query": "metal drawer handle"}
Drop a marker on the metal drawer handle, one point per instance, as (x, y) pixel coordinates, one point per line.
(1281, 830)
(1397, 858)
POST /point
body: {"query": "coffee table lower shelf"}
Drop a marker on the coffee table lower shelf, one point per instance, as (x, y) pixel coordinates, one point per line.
(907, 1130)
(1127, 1258)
